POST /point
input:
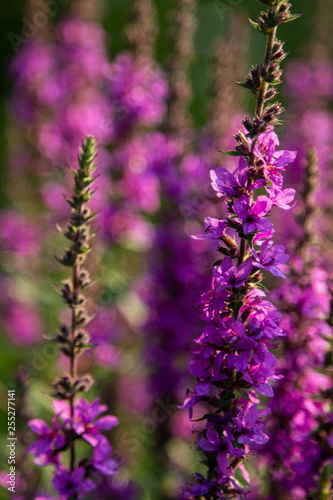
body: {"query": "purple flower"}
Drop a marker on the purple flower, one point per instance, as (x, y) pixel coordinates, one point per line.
(50, 440)
(253, 215)
(198, 489)
(215, 228)
(270, 257)
(282, 198)
(273, 161)
(71, 483)
(236, 183)
(84, 418)
(228, 275)
(102, 460)
(250, 427)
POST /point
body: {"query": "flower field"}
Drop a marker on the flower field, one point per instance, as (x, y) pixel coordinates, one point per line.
(166, 250)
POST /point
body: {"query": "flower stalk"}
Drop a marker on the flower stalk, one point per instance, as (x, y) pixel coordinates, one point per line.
(231, 359)
(74, 418)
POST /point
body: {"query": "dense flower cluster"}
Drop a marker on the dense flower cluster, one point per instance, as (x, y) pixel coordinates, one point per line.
(231, 360)
(292, 453)
(232, 354)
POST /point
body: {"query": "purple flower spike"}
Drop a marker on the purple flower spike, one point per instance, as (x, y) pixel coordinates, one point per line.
(76, 420)
(231, 359)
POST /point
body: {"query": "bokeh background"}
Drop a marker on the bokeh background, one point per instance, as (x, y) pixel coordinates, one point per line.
(153, 194)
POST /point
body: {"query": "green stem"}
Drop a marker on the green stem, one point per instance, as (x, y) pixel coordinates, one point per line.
(242, 251)
(268, 55)
(73, 366)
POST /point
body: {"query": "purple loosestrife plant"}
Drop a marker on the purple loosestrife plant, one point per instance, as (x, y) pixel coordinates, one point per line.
(75, 418)
(231, 359)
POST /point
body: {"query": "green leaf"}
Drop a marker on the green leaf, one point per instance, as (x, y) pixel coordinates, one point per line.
(92, 216)
(292, 17)
(232, 153)
(245, 85)
(70, 202)
(65, 261)
(240, 478)
(326, 476)
(254, 25)
(235, 307)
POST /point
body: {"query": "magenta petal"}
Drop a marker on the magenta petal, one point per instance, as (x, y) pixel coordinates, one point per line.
(249, 227)
(251, 416)
(61, 408)
(103, 450)
(265, 389)
(107, 467)
(261, 206)
(90, 438)
(284, 158)
(241, 362)
(203, 388)
(244, 270)
(106, 423)
(226, 265)
(244, 439)
(260, 438)
(207, 446)
(213, 437)
(38, 426)
(222, 461)
(241, 210)
(41, 446)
